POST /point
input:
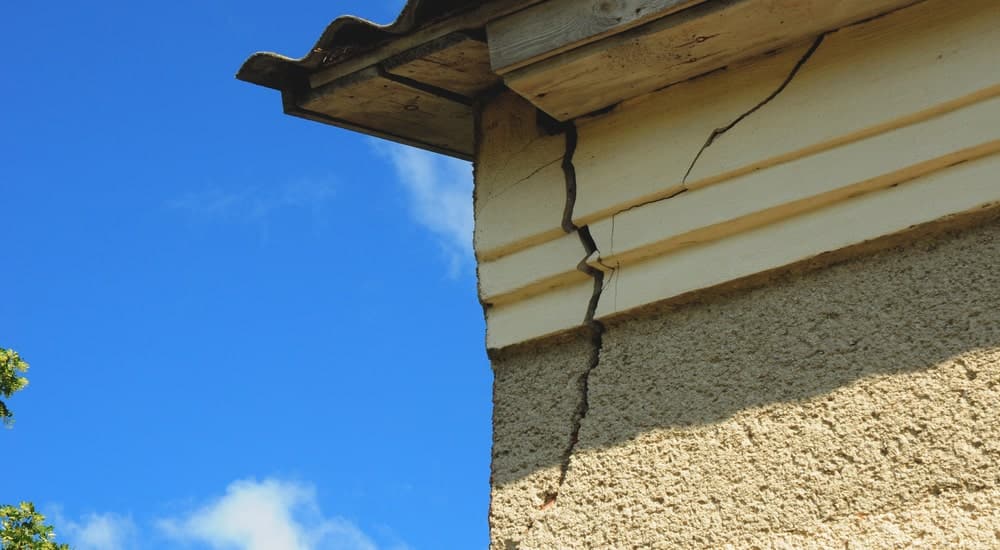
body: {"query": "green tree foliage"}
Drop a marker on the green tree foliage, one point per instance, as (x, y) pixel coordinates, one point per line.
(10, 381)
(22, 528)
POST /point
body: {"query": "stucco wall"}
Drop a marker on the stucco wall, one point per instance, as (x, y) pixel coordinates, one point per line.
(854, 406)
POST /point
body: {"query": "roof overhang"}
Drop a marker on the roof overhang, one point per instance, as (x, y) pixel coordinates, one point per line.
(416, 81)
(413, 81)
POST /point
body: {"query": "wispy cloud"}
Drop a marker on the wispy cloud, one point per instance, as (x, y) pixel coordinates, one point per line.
(439, 189)
(254, 203)
(266, 515)
(96, 531)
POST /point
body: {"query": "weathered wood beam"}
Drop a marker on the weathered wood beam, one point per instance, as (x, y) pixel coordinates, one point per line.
(672, 49)
(550, 28)
(458, 62)
(386, 104)
(473, 19)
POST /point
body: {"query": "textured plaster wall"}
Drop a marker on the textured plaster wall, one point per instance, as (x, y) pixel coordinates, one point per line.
(856, 406)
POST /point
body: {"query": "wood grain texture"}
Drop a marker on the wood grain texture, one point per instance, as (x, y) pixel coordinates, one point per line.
(473, 19)
(553, 27)
(676, 48)
(457, 63)
(369, 100)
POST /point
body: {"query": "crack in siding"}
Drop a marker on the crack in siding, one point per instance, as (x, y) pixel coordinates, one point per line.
(568, 224)
(570, 173)
(501, 192)
(595, 327)
(614, 216)
(601, 279)
(718, 132)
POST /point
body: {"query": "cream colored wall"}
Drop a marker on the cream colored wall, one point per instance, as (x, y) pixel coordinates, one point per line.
(840, 399)
(853, 406)
(872, 129)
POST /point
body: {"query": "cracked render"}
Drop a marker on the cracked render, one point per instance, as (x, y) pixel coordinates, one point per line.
(854, 405)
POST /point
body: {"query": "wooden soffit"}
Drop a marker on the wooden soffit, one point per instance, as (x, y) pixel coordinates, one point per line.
(413, 81)
(416, 81)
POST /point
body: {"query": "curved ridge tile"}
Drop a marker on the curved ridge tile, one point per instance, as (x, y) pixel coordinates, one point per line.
(343, 38)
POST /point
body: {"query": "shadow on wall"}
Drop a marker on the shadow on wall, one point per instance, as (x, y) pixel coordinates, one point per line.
(782, 351)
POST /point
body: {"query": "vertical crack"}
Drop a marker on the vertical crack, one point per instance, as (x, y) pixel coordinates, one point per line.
(570, 172)
(595, 328)
(718, 132)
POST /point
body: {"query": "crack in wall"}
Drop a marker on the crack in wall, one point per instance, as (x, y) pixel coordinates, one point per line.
(599, 277)
(533, 173)
(719, 132)
(715, 135)
(595, 327)
(602, 279)
(569, 171)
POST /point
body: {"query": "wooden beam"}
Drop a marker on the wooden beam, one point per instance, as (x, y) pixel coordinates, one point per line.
(550, 28)
(469, 20)
(375, 132)
(690, 43)
(458, 63)
(373, 100)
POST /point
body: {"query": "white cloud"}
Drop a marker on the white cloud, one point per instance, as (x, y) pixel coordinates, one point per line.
(440, 193)
(96, 531)
(254, 203)
(266, 515)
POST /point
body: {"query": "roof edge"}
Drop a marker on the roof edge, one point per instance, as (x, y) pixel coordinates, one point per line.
(345, 37)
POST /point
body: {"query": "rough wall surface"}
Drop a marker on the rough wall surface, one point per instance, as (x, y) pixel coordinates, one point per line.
(853, 407)
(536, 402)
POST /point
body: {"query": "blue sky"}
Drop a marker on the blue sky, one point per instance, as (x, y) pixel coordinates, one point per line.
(245, 330)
